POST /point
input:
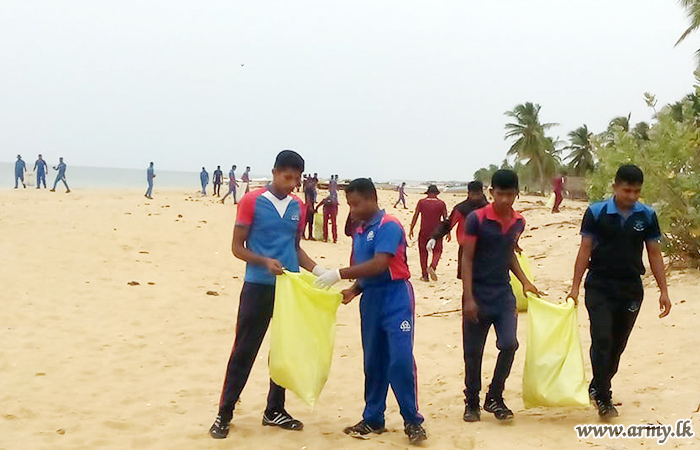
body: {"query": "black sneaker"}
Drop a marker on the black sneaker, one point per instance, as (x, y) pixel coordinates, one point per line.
(497, 406)
(362, 428)
(472, 410)
(281, 419)
(606, 409)
(416, 433)
(592, 393)
(220, 428)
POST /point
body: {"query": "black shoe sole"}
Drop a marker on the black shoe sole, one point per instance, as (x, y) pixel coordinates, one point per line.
(509, 418)
(349, 431)
(265, 423)
(471, 419)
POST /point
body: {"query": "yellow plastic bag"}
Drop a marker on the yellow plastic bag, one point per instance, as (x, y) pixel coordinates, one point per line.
(318, 226)
(551, 201)
(553, 374)
(302, 335)
(515, 284)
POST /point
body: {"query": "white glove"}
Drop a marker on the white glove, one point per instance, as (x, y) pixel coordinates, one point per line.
(328, 279)
(430, 246)
(318, 270)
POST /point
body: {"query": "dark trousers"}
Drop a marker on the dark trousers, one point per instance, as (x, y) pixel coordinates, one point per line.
(505, 321)
(217, 189)
(309, 222)
(254, 314)
(613, 306)
(423, 253)
(558, 198)
(330, 213)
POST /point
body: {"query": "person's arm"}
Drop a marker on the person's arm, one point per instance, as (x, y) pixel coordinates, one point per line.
(350, 293)
(580, 266)
(240, 251)
(371, 268)
(520, 275)
(469, 307)
(305, 260)
(414, 220)
(656, 261)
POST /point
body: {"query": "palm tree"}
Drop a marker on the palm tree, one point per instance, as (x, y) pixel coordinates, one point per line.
(692, 8)
(641, 131)
(531, 144)
(581, 160)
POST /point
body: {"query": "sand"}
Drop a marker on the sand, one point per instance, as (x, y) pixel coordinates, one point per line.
(89, 361)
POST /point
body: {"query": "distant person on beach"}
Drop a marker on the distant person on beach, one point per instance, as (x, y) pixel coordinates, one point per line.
(232, 185)
(614, 233)
(218, 181)
(41, 168)
(245, 178)
(489, 237)
(150, 175)
(475, 200)
(432, 211)
(386, 312)
(266, 236)
(402, 196)
(310, 208)
(20, 168)
(61, 176)
(558, 183)
(204, 178)
(330, 210)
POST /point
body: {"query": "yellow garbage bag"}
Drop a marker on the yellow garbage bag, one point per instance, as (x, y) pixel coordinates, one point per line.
(318, 226)
(516, 285)
(302, 335)
(553, 374)
(551, 201)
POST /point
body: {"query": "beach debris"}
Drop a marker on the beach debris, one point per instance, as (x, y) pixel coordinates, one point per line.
(40, 374)
(214, 293)
(440, 313)
(151, 283)
(145, 253)
(133, 283)
(61, 431)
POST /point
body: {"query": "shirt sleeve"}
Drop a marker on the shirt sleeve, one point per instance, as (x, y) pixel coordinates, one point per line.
(246, 210)
(389, 237)
(653, 230)
(589, 225)
(470, 231)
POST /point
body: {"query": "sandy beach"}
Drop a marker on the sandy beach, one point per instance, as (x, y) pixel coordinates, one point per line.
(89, 361)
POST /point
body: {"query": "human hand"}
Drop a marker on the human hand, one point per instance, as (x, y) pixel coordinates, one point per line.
(328, 279)
(274, 266)
(664, 305)
(430, 246)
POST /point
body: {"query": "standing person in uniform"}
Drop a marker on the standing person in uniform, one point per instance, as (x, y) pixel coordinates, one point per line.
(386, 309)
(204, 179)
(558, 185)
(489, 238)
(432, 211)
(61, 176)
(218, 181)
(458, 216)
(402, 196)
(232, 185)
(245, 178)
(40, 167)
(330, 210)
(310, 207)
(150, 175)
(268, 228)
(613, 235)
(20, 168)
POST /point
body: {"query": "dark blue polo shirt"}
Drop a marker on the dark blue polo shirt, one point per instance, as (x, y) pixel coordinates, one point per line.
(618, 241)
(495, 243)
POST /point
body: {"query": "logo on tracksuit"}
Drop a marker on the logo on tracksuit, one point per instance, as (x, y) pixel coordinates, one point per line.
(405, 326)
(370, 236)
(295, 217)
(639, 225)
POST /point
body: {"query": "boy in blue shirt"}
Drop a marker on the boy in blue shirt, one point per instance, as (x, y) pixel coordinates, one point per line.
(490, 238)
(266, 236)
(614, 233)
(387, 310)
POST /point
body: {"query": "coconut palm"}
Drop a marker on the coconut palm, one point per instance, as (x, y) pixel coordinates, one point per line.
(531, 144)
(580, 157)
(692, 8)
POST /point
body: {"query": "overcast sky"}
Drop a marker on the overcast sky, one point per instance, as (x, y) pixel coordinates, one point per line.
(384, 88)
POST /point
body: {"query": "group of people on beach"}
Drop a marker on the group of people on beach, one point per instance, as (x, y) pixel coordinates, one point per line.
(41, 169)
(270, 225)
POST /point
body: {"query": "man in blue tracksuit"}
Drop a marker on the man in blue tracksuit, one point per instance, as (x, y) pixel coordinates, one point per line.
(204, 178)
(150, 175)
(20, 168)
(40, 167)
(61, 176)
(387, 310)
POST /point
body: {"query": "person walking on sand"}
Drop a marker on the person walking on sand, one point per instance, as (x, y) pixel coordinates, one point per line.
(232, 185)
(558, 183)
(218, 181)
(614, 233)
(20, 168)
(245, 178)
(330, 210)
(150, 175)
(204, 178)
(432, 211)
(41, 168)
(61, 176)
(402, 196)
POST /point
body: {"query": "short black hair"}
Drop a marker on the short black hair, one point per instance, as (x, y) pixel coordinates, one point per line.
(505, 179)
(289, 159)
(475, 186)
(630, 174)
(362, 186)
